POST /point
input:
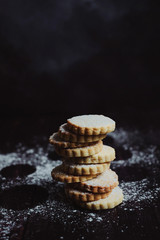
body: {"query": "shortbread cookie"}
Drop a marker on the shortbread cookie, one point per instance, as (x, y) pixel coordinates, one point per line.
(91, 124)
(59, 175)
(106, 155)
(84, 196)
(80, 152)
(111, 201)
(81, 169)
(104, 182)
(68, 136)
(58, 142)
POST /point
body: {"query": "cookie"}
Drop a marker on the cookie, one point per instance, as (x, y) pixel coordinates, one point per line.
(111, 201)
(68, 136)
(59, 175)
(80, 152)
(107, 154)
(104, 182)
(81, 169)
(84, 196)
(91, 124)
(58, 142)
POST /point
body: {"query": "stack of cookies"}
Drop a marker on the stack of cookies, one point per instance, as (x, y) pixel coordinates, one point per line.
(85, 170)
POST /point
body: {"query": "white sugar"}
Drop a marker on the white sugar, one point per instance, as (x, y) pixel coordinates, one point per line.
(91, 121)
(138, 193)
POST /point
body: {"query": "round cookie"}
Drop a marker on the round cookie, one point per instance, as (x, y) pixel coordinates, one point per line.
(84, 196)
(68, 136)
(111, 201)
(107, 154)
(81, 169)
(104, 182)
(59, 175)
(80, 152)
(91, 124)
(58, 142)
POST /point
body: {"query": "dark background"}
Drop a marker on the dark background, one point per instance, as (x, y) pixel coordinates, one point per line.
(65, 58)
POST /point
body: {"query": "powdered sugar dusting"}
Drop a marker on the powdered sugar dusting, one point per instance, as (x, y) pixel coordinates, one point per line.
(93, 121)
(105, 179)
(139, 192)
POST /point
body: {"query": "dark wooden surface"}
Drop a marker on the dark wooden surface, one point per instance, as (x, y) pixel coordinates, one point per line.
(35, 207)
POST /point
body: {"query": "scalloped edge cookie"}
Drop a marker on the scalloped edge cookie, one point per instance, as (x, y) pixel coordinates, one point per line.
(104, 182)
(80, 152)
(68, 136)
(84, 196)
(91, 169)
(111, 201)
(91, 124)
(58, 142)
(59, 175)
(107, 154)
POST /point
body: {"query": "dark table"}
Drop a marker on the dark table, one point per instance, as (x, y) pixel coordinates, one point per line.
(33, 206)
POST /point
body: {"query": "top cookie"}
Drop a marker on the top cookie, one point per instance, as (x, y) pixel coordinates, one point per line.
(91, 124)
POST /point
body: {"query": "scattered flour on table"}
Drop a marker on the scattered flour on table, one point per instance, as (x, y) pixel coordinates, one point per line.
(144, 193)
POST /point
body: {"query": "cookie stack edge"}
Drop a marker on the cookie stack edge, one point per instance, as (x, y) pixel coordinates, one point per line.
(86, 161)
